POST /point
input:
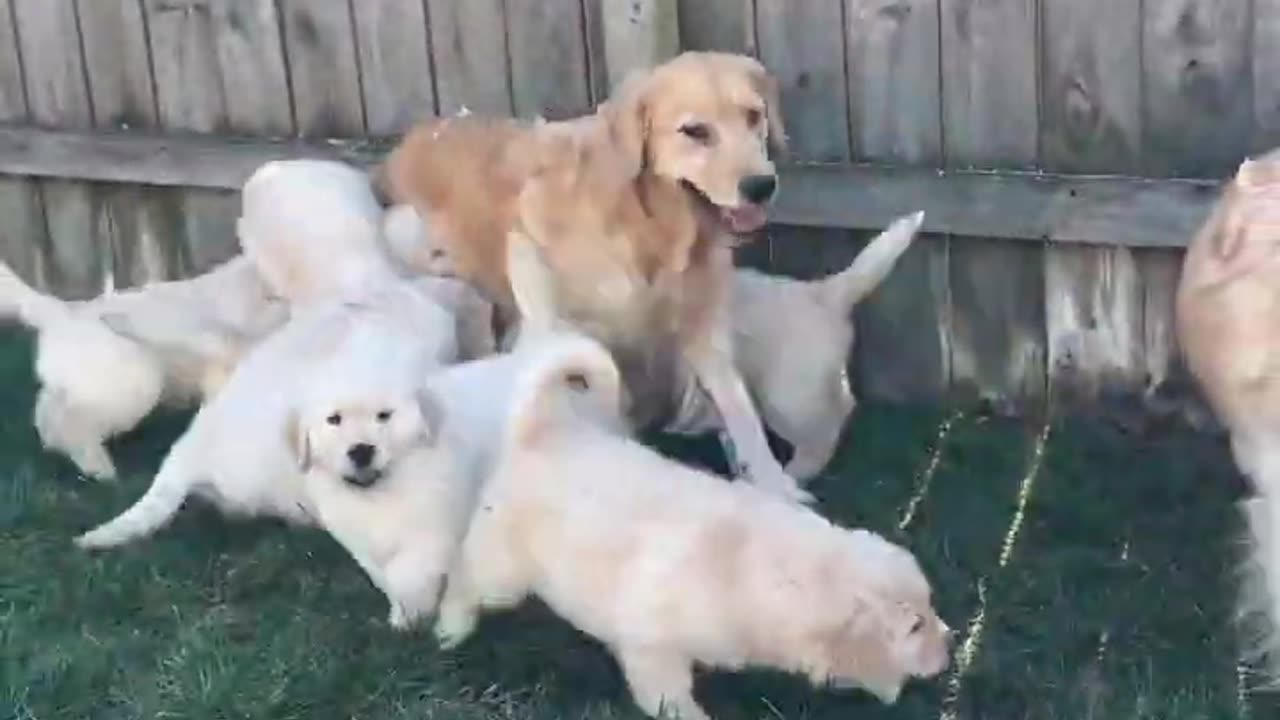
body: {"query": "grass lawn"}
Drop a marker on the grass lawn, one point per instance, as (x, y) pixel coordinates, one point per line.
(1088, 580)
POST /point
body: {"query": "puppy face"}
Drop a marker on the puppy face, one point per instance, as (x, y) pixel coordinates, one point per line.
(358, 436)
(705, 120)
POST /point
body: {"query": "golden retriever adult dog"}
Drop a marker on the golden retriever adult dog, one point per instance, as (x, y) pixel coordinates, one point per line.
(635, 208)
(1228, 323)
(104, 364)
(671, 568)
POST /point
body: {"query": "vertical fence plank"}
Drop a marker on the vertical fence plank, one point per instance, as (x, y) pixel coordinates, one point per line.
(1092, 123)
(469, 74)
(320, 44)
(638, 34)
(549, 75)
(190, 90)
(990, 119)
(25, 238)
(1199, 86)
(904, 334)
(395, 70)
(724, 25)
(250, 62)
(1266, 75)
(58, 97)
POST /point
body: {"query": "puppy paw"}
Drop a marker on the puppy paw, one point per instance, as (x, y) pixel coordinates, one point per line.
(452, 629)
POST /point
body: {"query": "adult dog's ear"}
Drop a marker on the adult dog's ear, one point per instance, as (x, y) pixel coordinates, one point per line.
(767, 85)
(299, 443)
(432, 411)
(626, 114)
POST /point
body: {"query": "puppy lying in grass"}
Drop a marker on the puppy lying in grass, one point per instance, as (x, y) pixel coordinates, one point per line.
(671, 567)
(241, 451)
(797, 369)
(105, 364)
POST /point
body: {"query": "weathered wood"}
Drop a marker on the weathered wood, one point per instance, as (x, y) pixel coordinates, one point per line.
(251, 64)
(597, 61)
(549, 74)
(209, 222)
(1199, 89)
(990, 120)
(190, 91)
(726, 25)
(320, 44)
(25, 236)
(1160, 270)
(1266, 74)
(989, 82)
(470, 74)
(1092, 122)
(638, 34)
(1132, 212)
(58, 97)
(115, 47)
(904, 328)
(395, 65)
(894, 102)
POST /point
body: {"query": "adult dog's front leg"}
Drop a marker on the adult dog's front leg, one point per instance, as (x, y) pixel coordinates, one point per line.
(712, 364)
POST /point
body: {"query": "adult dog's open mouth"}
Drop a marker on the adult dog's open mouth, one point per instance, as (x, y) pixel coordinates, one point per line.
(740, 220)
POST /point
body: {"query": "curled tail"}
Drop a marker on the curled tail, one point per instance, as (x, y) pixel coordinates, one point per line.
(564, 373)
(151, 512)
(847, 287)
(20, 301)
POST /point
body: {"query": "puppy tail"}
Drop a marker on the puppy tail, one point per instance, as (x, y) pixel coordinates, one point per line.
(21, 302)
(1260, 585)
(151, 512)
(566, 374)
(849, 286)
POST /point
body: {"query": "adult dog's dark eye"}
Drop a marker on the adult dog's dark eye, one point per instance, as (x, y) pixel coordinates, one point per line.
(577, 381)
(918, 625)
(696, 131)
(384, 416)
(334, 419)
(754, 116)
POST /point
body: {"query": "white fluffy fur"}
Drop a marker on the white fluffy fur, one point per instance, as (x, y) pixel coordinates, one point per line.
(797, 370)
(104, 364)
(671, 567)
(241, 450)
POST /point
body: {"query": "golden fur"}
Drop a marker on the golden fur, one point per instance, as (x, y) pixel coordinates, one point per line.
(633, 209)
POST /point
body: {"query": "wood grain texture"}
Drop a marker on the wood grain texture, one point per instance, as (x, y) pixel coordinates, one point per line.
(549, 74)
(25, 236)
(395, 65)
(190, 90)
(638, 34)
(320, 44)
(115, 47)
(470, 74)
(251, 62)
(1199, 86)
(1092, 123)
(57, 94)
(989, 82)
(1266, 75)
(903, 351)
(725, 25)
(990, 118)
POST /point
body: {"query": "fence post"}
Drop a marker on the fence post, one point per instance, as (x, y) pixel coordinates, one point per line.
(637, 34)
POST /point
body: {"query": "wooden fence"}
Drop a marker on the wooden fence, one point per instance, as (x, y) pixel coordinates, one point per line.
(1064, 150)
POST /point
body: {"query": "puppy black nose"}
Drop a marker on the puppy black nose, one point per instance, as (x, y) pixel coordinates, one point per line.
(758, 188)
(361, 454)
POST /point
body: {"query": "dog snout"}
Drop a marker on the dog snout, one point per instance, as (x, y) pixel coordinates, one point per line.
(361, 454)
(758, 189)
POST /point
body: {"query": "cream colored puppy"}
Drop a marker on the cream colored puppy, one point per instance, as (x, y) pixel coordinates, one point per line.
(241, 449)
(104, 364)
(313, 228)
(797, 371)
(671, 568)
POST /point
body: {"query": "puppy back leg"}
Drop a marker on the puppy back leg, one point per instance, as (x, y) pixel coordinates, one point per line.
(661, 683)
(65, 430)
(489, 572)
(154, 509)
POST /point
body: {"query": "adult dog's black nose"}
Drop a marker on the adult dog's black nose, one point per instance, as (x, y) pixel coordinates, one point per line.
(361, 454)
(758, 188)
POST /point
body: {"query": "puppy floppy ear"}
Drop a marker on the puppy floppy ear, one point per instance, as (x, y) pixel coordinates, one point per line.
(858, 649)
(626, 114)
(432, 412)
(299, 442)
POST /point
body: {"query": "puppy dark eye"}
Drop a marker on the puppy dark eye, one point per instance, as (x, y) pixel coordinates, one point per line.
(754, 117)
(384, 416)
(577, 381)
(699, 132)
(917, 626)
(334, 419)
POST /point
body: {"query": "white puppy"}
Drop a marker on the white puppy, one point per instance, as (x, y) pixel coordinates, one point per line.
(104, 364)
(671, 568)
(314, 229)
(797, 370)
(241, 449)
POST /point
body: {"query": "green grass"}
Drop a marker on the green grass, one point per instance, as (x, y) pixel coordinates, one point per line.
(1113, 602)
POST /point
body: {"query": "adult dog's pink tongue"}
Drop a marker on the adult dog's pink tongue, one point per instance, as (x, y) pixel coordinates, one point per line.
(744, 218)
